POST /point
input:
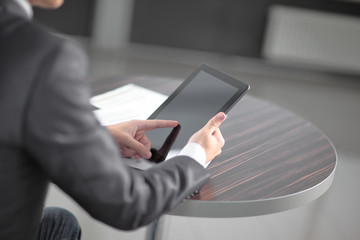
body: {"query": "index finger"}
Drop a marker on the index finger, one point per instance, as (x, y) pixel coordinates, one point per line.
(147, 125)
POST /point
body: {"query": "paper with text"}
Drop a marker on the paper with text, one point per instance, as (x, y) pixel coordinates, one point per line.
(126, 103)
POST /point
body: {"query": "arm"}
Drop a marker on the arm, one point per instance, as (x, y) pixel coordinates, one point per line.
(203, 146)
(66, 141)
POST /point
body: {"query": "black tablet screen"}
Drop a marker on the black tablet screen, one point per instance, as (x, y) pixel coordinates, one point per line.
(192, 107)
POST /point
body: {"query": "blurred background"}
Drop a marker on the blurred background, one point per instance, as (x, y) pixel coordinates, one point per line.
(303, 55)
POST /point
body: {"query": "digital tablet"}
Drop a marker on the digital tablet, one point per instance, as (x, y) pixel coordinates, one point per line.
(204, 93)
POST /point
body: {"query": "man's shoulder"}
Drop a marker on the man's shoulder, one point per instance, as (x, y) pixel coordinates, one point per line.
(41, 36)
(26, 39)
(46, 38)
(36, 40)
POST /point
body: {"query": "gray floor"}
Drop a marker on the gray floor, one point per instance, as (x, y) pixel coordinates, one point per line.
(329, 101)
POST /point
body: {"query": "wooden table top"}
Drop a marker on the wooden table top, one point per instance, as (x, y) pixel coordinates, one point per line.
(273, 160)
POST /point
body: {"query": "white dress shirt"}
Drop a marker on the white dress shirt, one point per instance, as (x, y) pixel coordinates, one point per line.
(26, 6)
(196, 152)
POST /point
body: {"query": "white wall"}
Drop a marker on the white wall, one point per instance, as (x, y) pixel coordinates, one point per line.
(313, 38)
(112, 23)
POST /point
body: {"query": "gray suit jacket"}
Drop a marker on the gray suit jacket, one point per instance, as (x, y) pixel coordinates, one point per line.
(49, 133)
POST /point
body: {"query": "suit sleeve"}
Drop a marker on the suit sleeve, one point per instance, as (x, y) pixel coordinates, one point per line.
(75, 152)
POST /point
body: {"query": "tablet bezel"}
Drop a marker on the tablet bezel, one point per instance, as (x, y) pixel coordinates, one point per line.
(242, 88)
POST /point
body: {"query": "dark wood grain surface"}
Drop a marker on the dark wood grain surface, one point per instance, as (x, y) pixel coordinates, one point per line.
(269, 151)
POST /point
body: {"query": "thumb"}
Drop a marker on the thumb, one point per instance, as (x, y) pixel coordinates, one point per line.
(215, 122)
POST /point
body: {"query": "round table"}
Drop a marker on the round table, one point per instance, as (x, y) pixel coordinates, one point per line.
(273, 160)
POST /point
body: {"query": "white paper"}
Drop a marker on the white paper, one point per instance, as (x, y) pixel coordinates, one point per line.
(126, 103)
(144, 164)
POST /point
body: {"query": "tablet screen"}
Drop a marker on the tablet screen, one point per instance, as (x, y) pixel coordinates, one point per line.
(198, 99)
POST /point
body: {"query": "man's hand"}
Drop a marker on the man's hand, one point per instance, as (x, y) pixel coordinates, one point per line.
(131, 136)
(210, 137)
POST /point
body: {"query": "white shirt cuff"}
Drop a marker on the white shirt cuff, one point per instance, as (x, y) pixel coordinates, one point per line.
(196, 152)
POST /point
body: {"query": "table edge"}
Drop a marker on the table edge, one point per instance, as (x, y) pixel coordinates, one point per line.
(234, 209)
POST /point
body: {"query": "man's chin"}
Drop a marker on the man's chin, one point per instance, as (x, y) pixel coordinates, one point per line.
(48, 4)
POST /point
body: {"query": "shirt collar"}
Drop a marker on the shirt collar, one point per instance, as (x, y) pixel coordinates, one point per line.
(25, 5)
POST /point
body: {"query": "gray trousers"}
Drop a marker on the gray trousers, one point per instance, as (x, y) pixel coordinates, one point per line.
(59, 224)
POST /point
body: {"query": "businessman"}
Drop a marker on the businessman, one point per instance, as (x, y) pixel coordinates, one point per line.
(48, 133)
